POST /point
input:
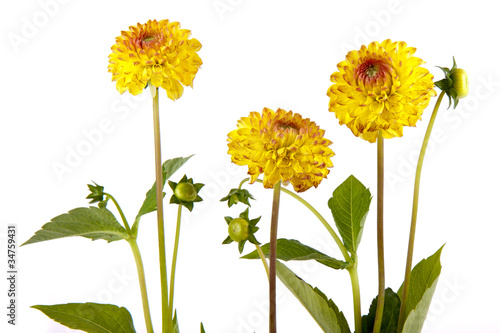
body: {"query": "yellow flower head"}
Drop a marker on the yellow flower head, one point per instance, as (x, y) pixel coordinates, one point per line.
(380, 87)
(283, 146)
(157, 52)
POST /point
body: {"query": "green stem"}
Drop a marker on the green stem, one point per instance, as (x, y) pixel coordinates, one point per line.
(127, 227)
(243, 182)
(263, 258)
(413, 225)
(332, 232)
(272, 257)
(159, 214)
(356, 294)
(142, 283)
(174, 264)
(380, 233)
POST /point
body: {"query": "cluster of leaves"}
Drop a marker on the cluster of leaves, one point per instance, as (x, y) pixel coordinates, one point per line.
(349, 205)
(100, 223)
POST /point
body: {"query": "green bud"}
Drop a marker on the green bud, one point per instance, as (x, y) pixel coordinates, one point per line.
(241, 230)
(460, 82)
(96, 193)
(455, 83)
(185, 192)
(238, 229)
(237, 195)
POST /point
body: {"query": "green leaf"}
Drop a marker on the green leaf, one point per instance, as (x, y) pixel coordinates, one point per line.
(94, 223)
(423, 280)
(202, 329)
(149, 205)
(291, 249)
(322, 309)
(90, 317)
(349, 205)
(389, 317)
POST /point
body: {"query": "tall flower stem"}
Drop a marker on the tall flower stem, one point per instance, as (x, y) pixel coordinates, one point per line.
(263, 258)
(272, 257)
(413, 224)
(380, 233)
(174, 264)
(159, 211)
(142, 284)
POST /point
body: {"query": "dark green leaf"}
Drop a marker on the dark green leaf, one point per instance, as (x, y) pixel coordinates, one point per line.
(322, 309)
(94, 223)
(149, 205)
(389, 317)
(423, 280)
(202, 329)
(349, 205)
(291, 249)
(90, 317)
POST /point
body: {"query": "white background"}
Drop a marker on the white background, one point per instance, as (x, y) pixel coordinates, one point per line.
(57, 100)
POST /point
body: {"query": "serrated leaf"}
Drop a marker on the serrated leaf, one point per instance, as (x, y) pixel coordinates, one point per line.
(389, 317)
(322, 309)
(94, 223)
(291, 249)
(90, 317)
(423, 280)
(349, 205)
(169, 167)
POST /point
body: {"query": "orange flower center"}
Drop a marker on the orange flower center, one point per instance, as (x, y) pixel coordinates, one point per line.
(371, 71)
(287, 131)
(147, 40)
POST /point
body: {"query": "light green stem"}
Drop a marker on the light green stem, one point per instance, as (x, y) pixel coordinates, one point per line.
(159, 215)
(127, 227)
(263, 258)
(142, 284)
(332, 232)
(413, 225)
(272, 257)
(174, 264)
(380, 234)
(356, 294)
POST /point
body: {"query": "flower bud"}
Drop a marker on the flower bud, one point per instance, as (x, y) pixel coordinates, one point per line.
(96, 193)
(237, 195)
(455, 83)
(185, 192)
(241, 230)
(238, 229)
(460, 82)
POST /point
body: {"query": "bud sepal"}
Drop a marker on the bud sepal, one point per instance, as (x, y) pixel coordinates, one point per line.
(238, 195)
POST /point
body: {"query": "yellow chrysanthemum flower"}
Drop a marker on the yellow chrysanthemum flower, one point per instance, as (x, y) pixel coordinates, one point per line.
(380, 87)
(160, 53)
(283, 146)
